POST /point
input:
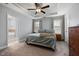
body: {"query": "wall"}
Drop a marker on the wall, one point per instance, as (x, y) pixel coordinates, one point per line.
(3, 27)
(24, 27)
(47, 23)
(23, 24)
(71, 19)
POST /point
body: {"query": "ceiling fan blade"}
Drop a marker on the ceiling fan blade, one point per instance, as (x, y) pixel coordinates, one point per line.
(31, 9)
(42, 11)
(36, 4)
(35, 13)
(45, 7)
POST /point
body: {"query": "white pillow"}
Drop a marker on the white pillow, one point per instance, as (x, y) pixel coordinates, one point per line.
(35, 34)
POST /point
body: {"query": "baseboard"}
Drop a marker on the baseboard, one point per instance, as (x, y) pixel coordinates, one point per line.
(66, 42)
(3, 47)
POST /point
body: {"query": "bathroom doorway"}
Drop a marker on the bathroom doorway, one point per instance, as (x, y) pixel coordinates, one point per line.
(11, 30)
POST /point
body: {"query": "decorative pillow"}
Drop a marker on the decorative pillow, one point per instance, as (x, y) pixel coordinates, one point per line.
(47, 35)
(44, 34)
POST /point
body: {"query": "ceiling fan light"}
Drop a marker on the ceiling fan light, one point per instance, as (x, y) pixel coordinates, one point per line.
(38, 10)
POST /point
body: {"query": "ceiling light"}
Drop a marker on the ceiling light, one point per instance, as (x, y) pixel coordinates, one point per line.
(38, 10)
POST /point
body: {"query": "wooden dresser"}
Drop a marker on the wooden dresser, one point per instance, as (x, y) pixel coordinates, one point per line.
(74, 41)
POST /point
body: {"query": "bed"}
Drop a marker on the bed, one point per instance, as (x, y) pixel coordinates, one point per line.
(42, 39)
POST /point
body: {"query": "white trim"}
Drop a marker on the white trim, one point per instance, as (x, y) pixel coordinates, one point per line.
(3, 47)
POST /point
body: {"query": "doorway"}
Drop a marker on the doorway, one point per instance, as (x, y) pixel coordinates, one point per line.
(11, 30)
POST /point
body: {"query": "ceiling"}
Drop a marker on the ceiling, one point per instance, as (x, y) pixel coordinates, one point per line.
(32, 5)
(54, 9)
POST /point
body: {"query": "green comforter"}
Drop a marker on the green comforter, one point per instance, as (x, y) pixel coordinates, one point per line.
(51, 42)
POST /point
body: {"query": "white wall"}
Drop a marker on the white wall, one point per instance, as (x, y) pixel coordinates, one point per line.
(71, 19)
(23, 24)
(73, 15)
(24, 27)
(3, 27)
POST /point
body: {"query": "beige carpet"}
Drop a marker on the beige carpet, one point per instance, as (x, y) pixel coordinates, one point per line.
(22, 49)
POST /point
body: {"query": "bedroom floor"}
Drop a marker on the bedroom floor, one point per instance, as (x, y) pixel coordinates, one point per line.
(22, 49)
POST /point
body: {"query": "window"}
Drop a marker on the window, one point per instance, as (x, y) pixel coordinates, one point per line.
(36, 26)
(57, 26)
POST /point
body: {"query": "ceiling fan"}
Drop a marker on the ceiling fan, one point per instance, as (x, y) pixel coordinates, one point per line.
(39, 8)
